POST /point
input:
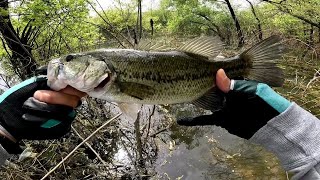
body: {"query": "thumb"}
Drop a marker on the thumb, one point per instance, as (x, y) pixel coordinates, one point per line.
(213, 119)
(222, 81)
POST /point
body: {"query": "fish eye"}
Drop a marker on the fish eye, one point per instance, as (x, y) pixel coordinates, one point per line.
(69, 58)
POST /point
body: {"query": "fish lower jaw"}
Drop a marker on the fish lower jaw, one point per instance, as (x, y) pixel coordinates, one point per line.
(57, 85)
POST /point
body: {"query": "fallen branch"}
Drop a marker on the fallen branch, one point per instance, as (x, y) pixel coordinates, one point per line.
(83, 142)
(315, 77)
(89, 146)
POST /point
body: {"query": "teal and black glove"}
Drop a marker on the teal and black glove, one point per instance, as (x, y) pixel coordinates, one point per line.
(24, 117)
(249, 106)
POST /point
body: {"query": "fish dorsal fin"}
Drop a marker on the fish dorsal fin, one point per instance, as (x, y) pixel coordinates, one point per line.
(149, 45)
(204, 47)
(130, 110)
(213, 100)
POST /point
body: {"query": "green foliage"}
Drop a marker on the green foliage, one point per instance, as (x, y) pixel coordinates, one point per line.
(60, 26)
(183, 16)
(5, 63)
(122, 20)
(2, 52)
(44, 12)
(4, 12)
(306, 9)
(283, 23)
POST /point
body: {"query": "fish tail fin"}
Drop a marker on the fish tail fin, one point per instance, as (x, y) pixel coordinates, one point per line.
(262, 59)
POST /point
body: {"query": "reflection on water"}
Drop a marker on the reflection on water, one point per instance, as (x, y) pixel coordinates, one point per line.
(194, 152)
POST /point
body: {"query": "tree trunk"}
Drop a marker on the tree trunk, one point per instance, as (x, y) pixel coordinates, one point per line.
(138, 137)
(151, 25)
(238, 27)
(311, 39)
(21, 58)
(319, 33)
(139, 21)
(258, 20)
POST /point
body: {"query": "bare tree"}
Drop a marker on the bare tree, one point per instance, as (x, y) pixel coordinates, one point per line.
(20, 44)
(258, 20)
(212, 26)
(139, 22)
(237, 24)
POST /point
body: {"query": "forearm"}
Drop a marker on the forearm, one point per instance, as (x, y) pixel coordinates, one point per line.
(294, 136)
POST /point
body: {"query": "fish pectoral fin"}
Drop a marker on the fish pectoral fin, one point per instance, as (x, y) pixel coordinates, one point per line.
(136, 90)
(130, 110)
(213, 100)
(206, 48)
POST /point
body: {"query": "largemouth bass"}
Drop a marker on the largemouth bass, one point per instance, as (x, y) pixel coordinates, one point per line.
(186, 74)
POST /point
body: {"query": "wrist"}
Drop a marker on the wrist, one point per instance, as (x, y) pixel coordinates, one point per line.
(272, 98)
(7, 135)
(8, 142)
(263, 91)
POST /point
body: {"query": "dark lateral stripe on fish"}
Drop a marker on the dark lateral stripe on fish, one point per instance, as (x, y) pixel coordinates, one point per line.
(166, 78)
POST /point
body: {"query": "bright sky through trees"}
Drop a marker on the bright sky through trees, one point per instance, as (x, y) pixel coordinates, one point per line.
(150, 4)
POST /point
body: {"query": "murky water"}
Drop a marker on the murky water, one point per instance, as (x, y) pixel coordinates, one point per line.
(208, 152)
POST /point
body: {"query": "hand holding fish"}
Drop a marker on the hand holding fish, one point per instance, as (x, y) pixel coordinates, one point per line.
(249, 106)
(31, 110)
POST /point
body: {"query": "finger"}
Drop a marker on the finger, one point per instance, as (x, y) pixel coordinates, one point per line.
(222, 81)
(72, 91)
(53, 97)
(43, 108)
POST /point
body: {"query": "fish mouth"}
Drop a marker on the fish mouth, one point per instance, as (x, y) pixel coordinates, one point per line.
(103, 83)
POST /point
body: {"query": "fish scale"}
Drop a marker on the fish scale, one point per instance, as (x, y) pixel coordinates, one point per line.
(186, 74)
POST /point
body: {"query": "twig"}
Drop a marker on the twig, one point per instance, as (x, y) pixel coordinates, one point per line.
(84, 141)
(149, 122)
(123, 134)
(138, 136)
(287, 175)
(41, 164)
(315, 77)
(160, 131)
(64, 167)
(89, 146)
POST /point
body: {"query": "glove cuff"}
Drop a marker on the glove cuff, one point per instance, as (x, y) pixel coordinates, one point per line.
(232, 82)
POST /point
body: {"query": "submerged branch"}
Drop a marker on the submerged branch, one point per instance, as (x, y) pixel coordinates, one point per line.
(138, 136)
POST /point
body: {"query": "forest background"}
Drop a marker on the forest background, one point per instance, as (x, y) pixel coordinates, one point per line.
(34, 31)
